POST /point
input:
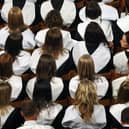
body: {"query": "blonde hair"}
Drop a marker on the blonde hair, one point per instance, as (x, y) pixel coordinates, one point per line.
(85, 99)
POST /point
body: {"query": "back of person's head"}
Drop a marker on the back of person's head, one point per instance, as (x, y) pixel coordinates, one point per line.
(13, 44)
(57, 4)
(53, 42)
(15, 19)
(125, 116)
(54, 19)
(86, 68)
(94, 35)
(5, 93)
(6, 69)
(29, 110)
(46, 67)
(86, 98)
(123, 93)
(93, 10)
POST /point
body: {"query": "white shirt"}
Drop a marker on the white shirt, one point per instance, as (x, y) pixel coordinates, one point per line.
(80, 49)
(56, 87)
(36, 56)
(31, 124)
(21, 63)
(28, 11)
(68, 11)
(108, 12)
(73, 120)
(28, 38)
(100, 82)
(67, 40)
(104, 24)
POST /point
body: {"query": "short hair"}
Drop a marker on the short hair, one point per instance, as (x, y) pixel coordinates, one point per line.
(6, 68)
(13, 44)
(93, 10)
(123, 93)
(86, 98)
(5, 93)
(46, 67)
(53, 42)
(86, 68)
(15, 19)
(125, 115)
(54, 19)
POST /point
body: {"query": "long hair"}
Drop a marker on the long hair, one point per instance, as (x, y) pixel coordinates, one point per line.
(53, 42)
(85, 99)
(15, 20)
(86, 69)
(13, 45)
(57, 4)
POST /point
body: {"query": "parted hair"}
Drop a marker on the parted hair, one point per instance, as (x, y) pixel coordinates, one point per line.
(85, 99)
(123, 93)
(86, 68)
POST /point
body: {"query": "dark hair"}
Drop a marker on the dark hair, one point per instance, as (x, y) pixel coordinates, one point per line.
(93, 10)
(94, 35)
(13, 44)
(127, 5)
(125, 115)
(19, 3)
(6, 69)
(123, 93)
(57, 4)
(54, 19)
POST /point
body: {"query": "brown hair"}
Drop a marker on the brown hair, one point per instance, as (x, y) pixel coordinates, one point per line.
(86, 98)
(53, 42)
(15, 20)
(86, 68)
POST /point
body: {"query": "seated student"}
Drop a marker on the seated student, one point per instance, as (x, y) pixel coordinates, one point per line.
(10, 118)
(122, 103)
(96, 45)
(120, 59)
(20, 57)
(125, 118)
(54, 46)
(93, 14)
(27, 7)
(6, 74)
(86, 112)
(86, 70)
(54, 19)
(16, 23)
(30, 113)
(66, 8)
(46, 69)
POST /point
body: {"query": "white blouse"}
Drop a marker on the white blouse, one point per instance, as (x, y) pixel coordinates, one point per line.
(28, 11)
(80, 49)
(73, 120)
(28, 38)
(68, 11)
(67, 40)
(101, 84)
(56, 87)
(38, 52)
(21, 63)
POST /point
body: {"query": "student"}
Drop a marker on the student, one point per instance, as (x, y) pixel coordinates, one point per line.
(86, 112)
(9, 116)
(20, 57)
(54, 19)
(30, 113)
(27, 7)
(86, 70)
(122, 103)
(96, 45)
(16, 23)
(66, 8)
